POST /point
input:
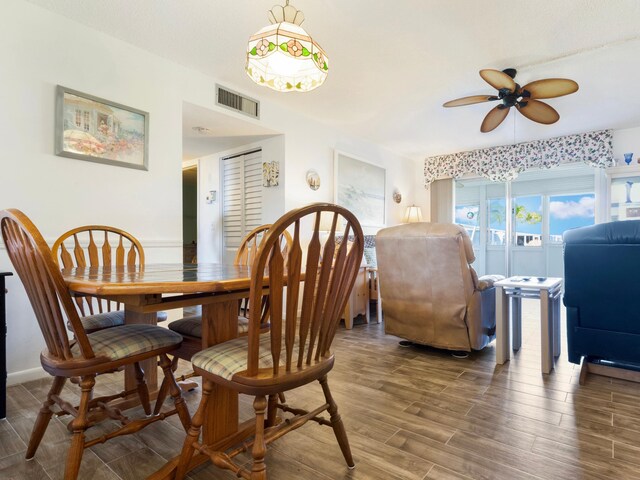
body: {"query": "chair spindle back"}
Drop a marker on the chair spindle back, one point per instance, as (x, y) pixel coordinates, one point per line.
(46, 289)
(249, 246)
(103, 246)
(327, 285)
(246, 255)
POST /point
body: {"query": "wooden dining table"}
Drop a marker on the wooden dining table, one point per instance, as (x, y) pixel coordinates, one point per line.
(146, 290)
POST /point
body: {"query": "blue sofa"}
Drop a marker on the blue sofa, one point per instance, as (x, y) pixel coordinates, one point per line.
(602, 293)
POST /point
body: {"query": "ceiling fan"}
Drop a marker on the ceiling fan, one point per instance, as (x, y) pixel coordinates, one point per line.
(525, 99)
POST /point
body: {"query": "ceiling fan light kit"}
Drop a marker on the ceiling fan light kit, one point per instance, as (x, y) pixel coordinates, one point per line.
(283, 56)
(525, 99)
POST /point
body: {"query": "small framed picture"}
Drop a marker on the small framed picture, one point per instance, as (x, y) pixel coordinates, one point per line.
(98, 130)
(270, 174)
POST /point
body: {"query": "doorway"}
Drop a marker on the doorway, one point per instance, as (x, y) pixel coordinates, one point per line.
(208, 137)
(190, 214)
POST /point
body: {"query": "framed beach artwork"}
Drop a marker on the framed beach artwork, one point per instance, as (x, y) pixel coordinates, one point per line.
(97, 130)
(359, 186)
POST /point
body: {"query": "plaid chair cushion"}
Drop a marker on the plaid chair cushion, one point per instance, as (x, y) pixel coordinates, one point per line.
(128, 340)
(192, 326)
(100, 321)
(228, 358)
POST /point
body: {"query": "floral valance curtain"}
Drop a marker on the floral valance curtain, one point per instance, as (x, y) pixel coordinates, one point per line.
(507, 162)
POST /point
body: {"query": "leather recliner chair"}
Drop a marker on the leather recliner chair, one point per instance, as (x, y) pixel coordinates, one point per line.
(601, 268)
(431, 294)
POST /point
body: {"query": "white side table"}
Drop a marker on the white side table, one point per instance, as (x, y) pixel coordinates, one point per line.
(513, 290)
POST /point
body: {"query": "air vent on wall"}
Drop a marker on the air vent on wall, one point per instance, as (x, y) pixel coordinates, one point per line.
(237, 102)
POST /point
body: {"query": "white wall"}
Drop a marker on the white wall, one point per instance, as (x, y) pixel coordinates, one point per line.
(40, 50)
(306, 151)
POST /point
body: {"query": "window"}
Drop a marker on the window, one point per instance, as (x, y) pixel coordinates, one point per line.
(468, 217)
(78, 117)
(527, 214)
(570, 211)
(87, 121)
(242, 197)
(497, 221)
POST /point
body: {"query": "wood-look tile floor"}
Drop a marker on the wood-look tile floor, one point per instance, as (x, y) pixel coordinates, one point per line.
(410, 413)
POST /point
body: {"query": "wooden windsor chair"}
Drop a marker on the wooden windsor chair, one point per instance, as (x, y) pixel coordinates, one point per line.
(245, 256)
(191, 327)
(89, 354)
(114, 247)
(295, 351)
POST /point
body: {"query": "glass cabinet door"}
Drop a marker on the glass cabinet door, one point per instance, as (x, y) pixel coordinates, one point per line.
(625, 198)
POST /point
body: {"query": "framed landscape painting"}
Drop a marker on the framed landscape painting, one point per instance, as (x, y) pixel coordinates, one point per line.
(97, 130)
(359, 186)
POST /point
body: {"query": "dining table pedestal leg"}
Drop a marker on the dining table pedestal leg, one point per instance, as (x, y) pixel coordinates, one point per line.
(219, 324)
(220, 429)
(150, 366)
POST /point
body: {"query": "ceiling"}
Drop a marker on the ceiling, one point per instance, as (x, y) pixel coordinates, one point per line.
(393, 64)
(224, 132)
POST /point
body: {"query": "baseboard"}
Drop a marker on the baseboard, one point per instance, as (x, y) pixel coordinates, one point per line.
(26, 376)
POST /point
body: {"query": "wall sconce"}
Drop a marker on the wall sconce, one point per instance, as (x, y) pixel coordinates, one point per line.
(313, 180)
(413, 214)
(212, 196)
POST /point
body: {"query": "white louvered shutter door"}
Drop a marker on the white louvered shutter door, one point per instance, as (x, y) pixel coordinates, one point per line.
(242, 199)
(252, 191)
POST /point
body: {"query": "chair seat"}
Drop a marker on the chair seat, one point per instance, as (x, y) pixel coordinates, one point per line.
(129, 340)
(228, 358)
(100, 321)
(192, 326)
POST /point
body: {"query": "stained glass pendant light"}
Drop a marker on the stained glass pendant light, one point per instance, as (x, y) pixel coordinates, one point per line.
(283, 57)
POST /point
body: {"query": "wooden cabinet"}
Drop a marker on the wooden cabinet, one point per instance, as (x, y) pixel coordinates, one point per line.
(623, 192)
(3, 346)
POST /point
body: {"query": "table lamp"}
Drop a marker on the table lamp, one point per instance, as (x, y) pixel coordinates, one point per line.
(413, 214)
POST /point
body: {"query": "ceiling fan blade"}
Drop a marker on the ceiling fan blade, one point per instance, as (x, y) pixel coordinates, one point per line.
(551, 87)
(459, 102)
(494, 118)
(498, 79)
(538, 112)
